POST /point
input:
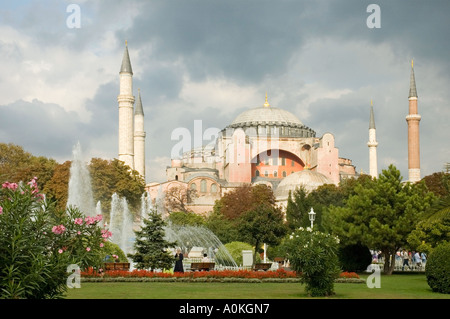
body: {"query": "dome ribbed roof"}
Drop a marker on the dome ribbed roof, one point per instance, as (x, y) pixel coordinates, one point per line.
(307, 178)
(265, 115)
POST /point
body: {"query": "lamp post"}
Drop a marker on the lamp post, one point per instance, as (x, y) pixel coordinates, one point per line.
(312, 217)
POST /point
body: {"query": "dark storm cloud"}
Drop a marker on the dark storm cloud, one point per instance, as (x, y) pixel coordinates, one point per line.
(43, 129)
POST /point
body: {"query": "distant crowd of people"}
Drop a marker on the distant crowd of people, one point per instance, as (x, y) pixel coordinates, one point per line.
(407, 259)
(412, 259)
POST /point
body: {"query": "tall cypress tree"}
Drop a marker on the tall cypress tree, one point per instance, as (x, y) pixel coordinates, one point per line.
(298, 207)
(151, 247)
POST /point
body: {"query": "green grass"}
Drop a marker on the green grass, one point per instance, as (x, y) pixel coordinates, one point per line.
(397, 286)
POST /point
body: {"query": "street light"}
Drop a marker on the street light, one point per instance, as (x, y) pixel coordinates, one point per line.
(312, 217)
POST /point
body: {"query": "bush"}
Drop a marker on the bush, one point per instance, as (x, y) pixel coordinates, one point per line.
(354, 258)
(38, 243)
(235, 249)
(438, 268)
(314, 255)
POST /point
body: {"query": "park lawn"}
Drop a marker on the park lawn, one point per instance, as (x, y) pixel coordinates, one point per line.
(397, 286)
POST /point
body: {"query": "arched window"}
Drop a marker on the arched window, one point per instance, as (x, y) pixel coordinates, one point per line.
(193, 186)
(214, 188)
(275, 173)
(176, 177)
(257, 173)
(284, 173)
(203, 186)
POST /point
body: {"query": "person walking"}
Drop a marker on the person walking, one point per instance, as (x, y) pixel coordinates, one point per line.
(424, 258)
(405, 257)
(178, 261)
(418, 260)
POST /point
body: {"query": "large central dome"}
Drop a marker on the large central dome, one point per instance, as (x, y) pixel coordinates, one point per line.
(271, 120)
(266, 115)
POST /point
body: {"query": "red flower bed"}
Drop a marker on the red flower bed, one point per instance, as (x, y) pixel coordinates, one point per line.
(138, 273)
(346, 274)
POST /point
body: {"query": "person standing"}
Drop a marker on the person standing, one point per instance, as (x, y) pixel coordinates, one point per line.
(178, 261)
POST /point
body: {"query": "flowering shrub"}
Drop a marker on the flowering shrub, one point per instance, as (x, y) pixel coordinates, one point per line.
(314, 254)
(38, 243)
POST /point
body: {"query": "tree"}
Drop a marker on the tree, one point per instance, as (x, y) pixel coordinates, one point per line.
(113, 176)
(222, 227)
(298, 207)
(177, 198)
(18, 165)
(438, 183)
(186, 218)
(57, 188)
(242, 199)
(381, 214)
(264, 224)
(151, 247)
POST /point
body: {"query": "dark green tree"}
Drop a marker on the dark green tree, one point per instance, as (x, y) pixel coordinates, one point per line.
(264, 224)
(381, 214)
(298, 207)
(222, 227)
(186, 218)
(151, 247)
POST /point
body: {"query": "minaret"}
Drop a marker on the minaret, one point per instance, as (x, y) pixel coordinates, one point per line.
(126, 102)
(413, 119)
(373, 167)
(139, 137)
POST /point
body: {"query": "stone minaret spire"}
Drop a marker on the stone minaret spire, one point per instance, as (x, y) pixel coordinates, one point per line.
(413, 119)
(139, 137)
(126, 102)
(373, 167)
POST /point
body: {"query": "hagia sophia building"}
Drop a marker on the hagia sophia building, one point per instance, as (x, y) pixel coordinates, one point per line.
(263, 145)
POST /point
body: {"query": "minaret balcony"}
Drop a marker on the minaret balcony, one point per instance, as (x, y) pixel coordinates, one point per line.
(413, 117)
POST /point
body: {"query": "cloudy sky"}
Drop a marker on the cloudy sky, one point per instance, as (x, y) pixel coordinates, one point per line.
(210, 60)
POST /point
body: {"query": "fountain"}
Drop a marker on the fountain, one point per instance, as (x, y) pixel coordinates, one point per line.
(80, 189)
(191, 238)
(121, 224)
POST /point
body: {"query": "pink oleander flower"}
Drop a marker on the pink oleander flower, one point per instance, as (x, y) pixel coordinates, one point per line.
(98, 217)
(78, 233)
(9, 185)
(106, 233)
(60, 251)
(78, 221)
(1, 210)
(58, 229)
(90, 220)
(88, 249)
(101, 245)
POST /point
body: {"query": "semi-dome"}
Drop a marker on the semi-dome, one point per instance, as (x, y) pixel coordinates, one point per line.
(310, 180)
